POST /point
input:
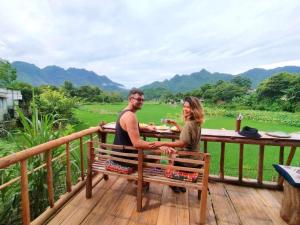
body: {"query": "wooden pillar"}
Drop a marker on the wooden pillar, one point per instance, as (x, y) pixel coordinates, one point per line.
(290, 208)
(25, 194)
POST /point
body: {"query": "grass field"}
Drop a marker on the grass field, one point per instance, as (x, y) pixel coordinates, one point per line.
(92, 115)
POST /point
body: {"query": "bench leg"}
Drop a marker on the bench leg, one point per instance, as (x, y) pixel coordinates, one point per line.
(105, 177)
(139, 195)
(199, 194)
(203, 203)
(88, 185)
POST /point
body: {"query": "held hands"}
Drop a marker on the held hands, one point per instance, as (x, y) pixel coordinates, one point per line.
(167, 150)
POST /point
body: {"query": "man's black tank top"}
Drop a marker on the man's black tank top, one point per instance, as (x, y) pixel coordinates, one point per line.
(121, 136)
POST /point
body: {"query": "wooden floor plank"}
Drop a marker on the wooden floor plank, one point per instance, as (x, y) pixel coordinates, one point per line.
(272, 206)
(70, 209)
(173, 209)
(149, 215)
(248, 205)
(194, 209)
(222, 205)
(114, 202)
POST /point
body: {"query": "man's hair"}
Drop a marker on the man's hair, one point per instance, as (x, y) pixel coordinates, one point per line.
(135, 91)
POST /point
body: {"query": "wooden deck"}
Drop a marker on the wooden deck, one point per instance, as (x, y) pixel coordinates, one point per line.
(114, 202)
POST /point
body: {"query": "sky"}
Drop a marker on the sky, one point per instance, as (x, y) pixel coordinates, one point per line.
(136, 42)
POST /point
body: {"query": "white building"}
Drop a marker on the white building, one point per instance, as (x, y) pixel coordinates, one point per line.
(9, 99)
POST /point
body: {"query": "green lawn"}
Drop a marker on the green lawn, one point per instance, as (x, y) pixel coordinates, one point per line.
(92, 115)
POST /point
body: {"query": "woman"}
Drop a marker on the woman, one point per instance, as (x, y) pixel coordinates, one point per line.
(190, 133)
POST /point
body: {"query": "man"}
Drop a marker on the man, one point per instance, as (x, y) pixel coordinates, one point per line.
(127, 128)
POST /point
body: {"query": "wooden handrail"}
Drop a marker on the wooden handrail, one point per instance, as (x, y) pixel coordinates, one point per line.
(27, 153)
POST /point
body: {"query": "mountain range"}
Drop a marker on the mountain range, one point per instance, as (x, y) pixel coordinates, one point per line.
(55, 75)
(184, 83)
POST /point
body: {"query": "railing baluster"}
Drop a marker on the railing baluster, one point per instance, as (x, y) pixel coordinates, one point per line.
(222, 159)
(281, 159)
(288, 162)
(291, 155)
(241, 159)
(50, 177)
(68, 161)
(89, 175)
(260, 164)
(25, 194)
(81, 158)
(205, 146)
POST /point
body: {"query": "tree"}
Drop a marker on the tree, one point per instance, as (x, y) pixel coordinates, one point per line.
(8, 74)
(242, 82)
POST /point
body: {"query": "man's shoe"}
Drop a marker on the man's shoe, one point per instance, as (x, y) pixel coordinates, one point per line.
(146, 186)
(182, 189)
(175, 189)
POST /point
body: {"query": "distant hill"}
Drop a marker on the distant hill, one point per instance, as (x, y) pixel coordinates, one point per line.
(55, 75)
(257, 75)
(185, 83)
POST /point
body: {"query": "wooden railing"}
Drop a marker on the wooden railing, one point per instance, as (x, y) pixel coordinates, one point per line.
(228, 136)
(208, 136)
(46, 148)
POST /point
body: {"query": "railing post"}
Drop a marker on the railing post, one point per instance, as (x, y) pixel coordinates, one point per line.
(222, 159)
(81, 158)
(68, 176)
(260, 164)
(205, 146)
(89, 170)
(241, 159)
(50, 177)
(281, 160)
(25, 194)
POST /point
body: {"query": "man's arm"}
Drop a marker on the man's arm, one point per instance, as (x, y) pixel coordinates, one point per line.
(131, 124)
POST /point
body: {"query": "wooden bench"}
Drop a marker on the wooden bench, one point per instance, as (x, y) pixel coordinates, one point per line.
(149, 169)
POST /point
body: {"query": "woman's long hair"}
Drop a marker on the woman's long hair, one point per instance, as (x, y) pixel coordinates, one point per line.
(197, 112)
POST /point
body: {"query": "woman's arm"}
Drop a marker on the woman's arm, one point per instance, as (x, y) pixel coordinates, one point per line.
(174, 144)
(174, 123)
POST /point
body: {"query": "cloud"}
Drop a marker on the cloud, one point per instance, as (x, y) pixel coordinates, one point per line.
(137, 42)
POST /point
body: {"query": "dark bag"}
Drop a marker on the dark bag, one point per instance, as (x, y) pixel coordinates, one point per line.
(250, 132)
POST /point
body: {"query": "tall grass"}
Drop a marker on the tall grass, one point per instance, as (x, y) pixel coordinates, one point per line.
(35, 130)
